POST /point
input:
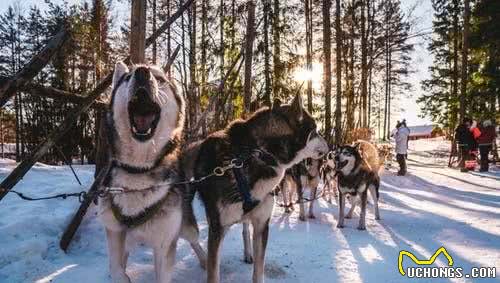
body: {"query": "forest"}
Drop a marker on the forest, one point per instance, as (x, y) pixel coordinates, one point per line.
(351, 61)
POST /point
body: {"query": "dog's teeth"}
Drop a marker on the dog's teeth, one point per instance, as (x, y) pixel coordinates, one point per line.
(149, 131)
(134, 129)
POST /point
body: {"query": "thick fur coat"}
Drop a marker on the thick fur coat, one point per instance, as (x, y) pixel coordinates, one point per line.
(145, 123)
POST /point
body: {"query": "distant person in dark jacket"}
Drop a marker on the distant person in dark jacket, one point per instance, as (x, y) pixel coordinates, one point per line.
(465, 142)
(485, 142)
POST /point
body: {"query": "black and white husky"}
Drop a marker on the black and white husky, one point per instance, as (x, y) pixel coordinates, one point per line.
(270, 141)
(144, 124)
(355, 178)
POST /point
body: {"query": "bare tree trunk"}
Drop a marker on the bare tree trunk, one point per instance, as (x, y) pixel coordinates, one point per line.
(250, 36)
(267, 68)
(204, 46)
(327, 66)
(138, 31)
(338, 70)
(154, 29)
(465, 61)
(277, 49)
(193, 93)
(351, 105)
(364, 67)
(455, 75)
(222, 46)
(371, 30)
(309, 51)
(389, 87)
(169, 39)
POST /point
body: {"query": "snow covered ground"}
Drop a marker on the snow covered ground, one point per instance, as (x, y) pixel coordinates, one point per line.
(431, 207)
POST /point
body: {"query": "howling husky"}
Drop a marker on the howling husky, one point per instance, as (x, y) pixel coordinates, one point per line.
(355, 178)
(267, 143)
(145, 123)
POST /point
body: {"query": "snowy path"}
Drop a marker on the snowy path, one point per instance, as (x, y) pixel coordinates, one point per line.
(432, 207)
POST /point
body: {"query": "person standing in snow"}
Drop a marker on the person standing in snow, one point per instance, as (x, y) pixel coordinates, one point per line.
(401, 137)
(485, 143)
(476, 133)
(465, 141)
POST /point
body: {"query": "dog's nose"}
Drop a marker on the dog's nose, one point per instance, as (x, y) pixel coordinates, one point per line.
(142, 75)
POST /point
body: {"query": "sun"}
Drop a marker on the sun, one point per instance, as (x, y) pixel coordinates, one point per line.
(315, 74)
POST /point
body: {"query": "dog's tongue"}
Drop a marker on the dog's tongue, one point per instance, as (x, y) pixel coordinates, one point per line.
(143, 123)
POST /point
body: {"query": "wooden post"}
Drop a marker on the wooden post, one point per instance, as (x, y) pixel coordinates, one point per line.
(30, 70)
(77, 219)
(137, 42)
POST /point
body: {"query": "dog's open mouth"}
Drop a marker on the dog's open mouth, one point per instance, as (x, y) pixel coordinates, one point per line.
(339, 165)
(144, 115)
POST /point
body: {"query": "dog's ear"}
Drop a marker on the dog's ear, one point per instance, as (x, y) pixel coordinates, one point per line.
(357, 146)
(158, 74)
(297, 107)
(120, 70)
(276, 103)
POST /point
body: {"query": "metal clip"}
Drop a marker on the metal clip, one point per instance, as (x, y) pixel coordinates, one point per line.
(236, 163)
(330, 155)
(219, 171)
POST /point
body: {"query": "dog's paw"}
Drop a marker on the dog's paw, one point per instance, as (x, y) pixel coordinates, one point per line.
(312, 216)
(120, 277)
(302, 218)
(361, 227)
(248, 259)
(340, 225)
(377, 217)
(348, 216)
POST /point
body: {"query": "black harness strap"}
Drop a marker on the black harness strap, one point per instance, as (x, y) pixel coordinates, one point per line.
(141, 218)
(166, 150)
(249, 202)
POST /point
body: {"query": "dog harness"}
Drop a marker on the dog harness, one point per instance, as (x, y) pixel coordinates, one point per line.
(141, 218)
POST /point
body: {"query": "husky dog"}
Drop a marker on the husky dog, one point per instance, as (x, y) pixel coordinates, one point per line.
(385, 154)
(305, 175)
(287, 188)
(355, 178)
(268, 142)
(144, 124)
(370, 154)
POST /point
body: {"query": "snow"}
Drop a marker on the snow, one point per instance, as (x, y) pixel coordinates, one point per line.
(432, 206)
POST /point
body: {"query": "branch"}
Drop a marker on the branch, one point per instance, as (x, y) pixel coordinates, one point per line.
(167, 24)
(54, 93)
(171, 59)
(30, 70)
(213, 99)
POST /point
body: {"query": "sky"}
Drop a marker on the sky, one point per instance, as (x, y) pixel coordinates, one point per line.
(422, 59)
